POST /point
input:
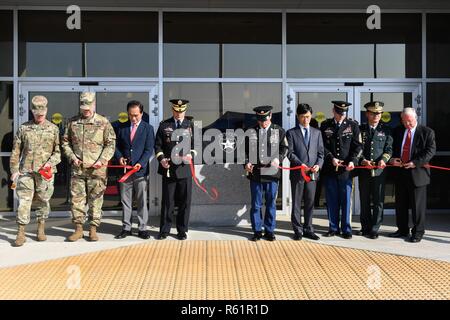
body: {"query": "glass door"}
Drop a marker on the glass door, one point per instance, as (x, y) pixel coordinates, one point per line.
(395, 98)
(319, 97)
(63, 104)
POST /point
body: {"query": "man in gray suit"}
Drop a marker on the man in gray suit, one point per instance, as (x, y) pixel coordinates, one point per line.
(306, 150)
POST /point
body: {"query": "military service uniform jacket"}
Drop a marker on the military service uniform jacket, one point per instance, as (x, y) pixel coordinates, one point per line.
(275, 134)
(343, 144)
(34, 145)
(376, 145)
(164, 146)
(89, 140)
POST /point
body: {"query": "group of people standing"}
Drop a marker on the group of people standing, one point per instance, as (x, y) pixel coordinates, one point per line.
(332, 152)
(329, 153)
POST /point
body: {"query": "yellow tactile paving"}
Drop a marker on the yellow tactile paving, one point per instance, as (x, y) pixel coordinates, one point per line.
(252, 277)
(410, 281)
(201, 270)
(221, 281)
(311, 276)
(382, 287)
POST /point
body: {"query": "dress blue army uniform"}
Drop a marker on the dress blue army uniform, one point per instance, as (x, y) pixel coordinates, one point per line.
(264, 177)
(177, 180)
(342, 142)
(377, 145)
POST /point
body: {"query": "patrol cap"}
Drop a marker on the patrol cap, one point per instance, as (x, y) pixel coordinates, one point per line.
(374, 107)
(87, 99)
(39, 105)
(341, 107)
(262, 112)
(179, 105)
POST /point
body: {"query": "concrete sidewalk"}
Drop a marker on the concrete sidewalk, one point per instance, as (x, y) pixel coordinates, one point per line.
(435, 244)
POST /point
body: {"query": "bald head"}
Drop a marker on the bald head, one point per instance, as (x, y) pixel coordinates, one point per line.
(409, 118)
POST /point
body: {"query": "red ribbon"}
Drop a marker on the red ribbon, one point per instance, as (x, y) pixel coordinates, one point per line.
(390, 165)
(46, 173)
(214, 195)
(436, 167)
(128, 174)
(302, 170)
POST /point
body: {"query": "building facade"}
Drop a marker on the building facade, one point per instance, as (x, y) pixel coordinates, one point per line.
(225, 61)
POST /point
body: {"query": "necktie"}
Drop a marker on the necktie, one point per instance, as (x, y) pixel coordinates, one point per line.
(178, 124)
(133, 131)
(306, 136)
(406, 147)
(372, 131)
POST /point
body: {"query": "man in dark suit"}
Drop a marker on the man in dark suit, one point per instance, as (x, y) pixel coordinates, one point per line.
(377, 150)
(175, 169)
(342, 142)
(306, 150)
(265, 150)
(414, 146)
(134, 146)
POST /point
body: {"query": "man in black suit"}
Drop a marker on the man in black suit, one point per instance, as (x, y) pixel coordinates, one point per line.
(414, 146)
(306, 150)
(134, 146)
(174, 168)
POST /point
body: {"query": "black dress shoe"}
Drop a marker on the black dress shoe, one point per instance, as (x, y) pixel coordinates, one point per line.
(144, 234)
(362, 233)
(311, 235)
(123, 234)
(415, 239)
(331, 234)
(347, 235)
(372, 235)
(162, 236)
(256, 236)
(269, 236)
(182, 236)
(298, 236)
(398, 234)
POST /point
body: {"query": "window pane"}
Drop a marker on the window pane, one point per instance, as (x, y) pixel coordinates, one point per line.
(222, 45)
(224, 105)
(109, 44)
(341, 45)
(6, 43)
(438, 193)
(438, 45)
(6, 194)
(438, 112)
(6, 116)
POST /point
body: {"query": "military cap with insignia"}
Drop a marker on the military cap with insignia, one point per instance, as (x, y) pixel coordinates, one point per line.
(341, 107)
(179, 105)
(263, 112)
(87, 99)
(374, 107)
(39, 105)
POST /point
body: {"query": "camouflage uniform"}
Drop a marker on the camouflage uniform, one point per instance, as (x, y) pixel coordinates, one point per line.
(89, 140)
(34, 146)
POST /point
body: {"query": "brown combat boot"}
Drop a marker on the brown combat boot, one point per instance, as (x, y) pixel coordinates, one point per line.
(93, 233)
(78, 234)
(41, 231)
(20, 239)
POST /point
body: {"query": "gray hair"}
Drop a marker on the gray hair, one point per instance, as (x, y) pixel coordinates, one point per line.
(409, 112)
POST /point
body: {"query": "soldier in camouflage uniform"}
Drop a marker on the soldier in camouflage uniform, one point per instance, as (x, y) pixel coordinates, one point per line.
(88, 143)
(36, 147)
